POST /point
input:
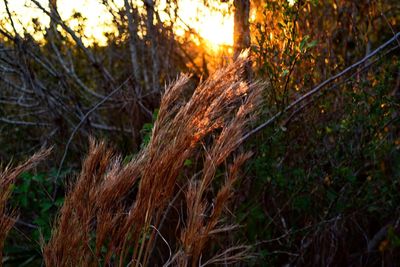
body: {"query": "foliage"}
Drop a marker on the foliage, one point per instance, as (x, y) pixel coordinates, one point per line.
(32, 194)
(320, 190)
(326, 175)
(8, 177)
(147, 129)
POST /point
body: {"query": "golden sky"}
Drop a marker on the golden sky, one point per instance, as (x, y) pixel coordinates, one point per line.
(213, 26)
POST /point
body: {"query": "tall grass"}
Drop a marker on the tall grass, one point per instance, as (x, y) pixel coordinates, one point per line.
(8, 177)
(155, 209)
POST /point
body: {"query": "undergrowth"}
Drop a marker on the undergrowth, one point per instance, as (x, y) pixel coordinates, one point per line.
(156, 208)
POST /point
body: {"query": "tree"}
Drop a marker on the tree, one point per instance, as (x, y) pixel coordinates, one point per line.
(241, 32)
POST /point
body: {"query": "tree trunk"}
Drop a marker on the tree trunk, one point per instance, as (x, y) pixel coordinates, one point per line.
(52, 30)
(241, 26)
(132, 28)
(241, 31)
(152, 37)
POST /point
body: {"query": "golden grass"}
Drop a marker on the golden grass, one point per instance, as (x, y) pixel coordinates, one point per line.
(115, 214)
(7, 178)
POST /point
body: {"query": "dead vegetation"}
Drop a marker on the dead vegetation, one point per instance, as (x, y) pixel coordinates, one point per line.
(119, 214)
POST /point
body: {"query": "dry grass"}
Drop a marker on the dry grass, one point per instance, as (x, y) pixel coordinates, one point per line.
(7, 178)
(115, 213)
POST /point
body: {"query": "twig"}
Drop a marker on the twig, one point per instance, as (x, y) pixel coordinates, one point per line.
(10, 17)
(365, 68)
(79, 43)
(381, 234)
(20, 222)
(229, 256)
(319, 88)
(18, 103)
(71, 73)
(25, 123)
(291, 231)
(390, 26)
(83, 120)
(165, 241)
(170, 205)
(109, 128)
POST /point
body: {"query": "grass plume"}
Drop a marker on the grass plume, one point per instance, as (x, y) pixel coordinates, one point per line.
(8, 177)
(115, 213)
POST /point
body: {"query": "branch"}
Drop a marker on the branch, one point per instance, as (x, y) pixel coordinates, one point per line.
(72, 74)
(84, 118)
(109, 128)
(319, 88)
(79, 42)
(18, 103)
(25, 123)
(10, 17)
(334, 86)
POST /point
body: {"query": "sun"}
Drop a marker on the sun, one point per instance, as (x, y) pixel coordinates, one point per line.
(213, 23)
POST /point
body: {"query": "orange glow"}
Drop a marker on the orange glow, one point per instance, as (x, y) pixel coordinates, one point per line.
(215, 27)
(212, 25)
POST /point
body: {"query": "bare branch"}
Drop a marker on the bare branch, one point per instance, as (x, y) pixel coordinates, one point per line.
(25, 123)
(79, 43)
(71, 73)
(83, 120)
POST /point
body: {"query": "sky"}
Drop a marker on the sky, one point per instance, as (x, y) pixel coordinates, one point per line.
(213, 26)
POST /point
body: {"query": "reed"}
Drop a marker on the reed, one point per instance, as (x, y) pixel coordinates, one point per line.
(8, 177)
(116, 214)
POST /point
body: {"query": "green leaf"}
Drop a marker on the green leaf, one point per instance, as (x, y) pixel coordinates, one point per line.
(40, 222)
(351, 178)
(187, 163)
(331, 195)
(302, 203)
(312, 44)
(155, 114)
(24, 201)
(26, 176)
(59, 201)
(24, 187)
(328, 130)
(39, 177)
(46, 206)
(147, 127)
(304, 42)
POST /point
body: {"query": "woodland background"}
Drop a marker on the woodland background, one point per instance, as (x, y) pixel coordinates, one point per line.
(322, 186)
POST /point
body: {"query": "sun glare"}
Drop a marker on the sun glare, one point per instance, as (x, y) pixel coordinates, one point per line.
(97, 20)
(211, 24)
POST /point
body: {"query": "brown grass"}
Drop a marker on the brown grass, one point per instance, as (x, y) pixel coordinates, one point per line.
(7, 178)
(115, 214)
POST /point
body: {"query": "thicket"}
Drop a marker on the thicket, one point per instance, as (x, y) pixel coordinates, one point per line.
(320, 187)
